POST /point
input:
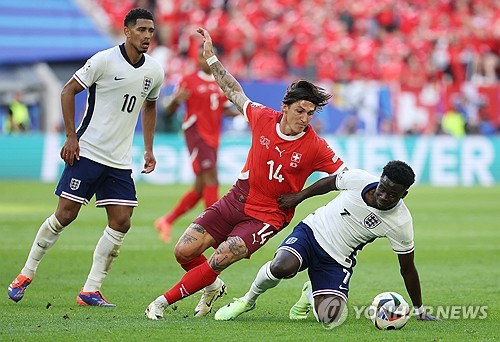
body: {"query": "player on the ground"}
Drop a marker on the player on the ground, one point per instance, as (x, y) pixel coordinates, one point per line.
(285, 150)
(98, 157)
(326, 242)
(205, 104)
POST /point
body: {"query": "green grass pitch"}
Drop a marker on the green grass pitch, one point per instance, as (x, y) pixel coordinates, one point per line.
(457, 236)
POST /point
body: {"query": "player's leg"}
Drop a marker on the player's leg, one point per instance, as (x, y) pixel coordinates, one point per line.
(200, 277)
(211, 228)
(206, 167)
(117, 194)
(187, 202)
(327, 291)
(284, 265)
(190, 198)
(287, 261)
(210, 190)
(46, 237)
(205, 275)
(74, 189)
(330, 308)
(189, 254)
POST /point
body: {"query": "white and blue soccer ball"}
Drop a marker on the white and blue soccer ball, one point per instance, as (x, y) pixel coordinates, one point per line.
(389, 311)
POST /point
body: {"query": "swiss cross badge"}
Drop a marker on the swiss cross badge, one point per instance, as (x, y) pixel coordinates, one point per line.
(295, 159)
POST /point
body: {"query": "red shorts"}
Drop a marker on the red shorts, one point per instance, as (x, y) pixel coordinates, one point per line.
(203, 156)
(227, 218)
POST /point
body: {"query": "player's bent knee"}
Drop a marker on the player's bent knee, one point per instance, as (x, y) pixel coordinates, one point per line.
(282, 268)
(184, 254)
(65, 217)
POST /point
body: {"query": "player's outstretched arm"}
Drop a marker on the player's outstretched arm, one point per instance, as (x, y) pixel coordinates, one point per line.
(320, 187)
(412, 283)
(231, 88)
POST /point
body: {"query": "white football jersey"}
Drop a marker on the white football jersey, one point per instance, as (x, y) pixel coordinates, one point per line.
(346, 224)
(116, 91)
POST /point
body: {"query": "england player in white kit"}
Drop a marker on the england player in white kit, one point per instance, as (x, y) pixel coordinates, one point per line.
(120, 82)
(326, 242)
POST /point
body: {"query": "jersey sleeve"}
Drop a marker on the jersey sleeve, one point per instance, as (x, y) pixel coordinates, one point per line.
(401, 238)
(354, 179)
(326, 160)
(155, 91)
(93, 69)
(252, 111)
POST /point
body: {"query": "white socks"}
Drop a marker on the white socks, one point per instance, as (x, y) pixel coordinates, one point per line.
(263, 282)
(105, 253)
(161, 299)
(45, 238)
(215, 285)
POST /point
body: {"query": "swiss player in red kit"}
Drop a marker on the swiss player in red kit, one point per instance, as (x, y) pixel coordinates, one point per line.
(205, 104)
(285, 150)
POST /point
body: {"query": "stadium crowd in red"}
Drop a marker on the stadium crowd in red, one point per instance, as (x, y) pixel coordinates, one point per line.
(411, 42)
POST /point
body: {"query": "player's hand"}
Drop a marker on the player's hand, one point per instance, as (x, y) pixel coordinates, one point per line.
(149, 162)
(426, 317)
(70, 149)
(208, 47)
(290, 200)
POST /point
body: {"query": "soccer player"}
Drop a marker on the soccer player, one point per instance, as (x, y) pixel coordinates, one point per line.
(205, 104)
(327, 241)
(285, 150)
(98, 158)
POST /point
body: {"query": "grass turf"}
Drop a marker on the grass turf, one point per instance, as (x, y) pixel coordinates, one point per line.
(457, 252)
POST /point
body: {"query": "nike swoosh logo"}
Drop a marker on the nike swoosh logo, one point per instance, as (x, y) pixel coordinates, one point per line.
(209, 304)
(119, 78)
(343, 288)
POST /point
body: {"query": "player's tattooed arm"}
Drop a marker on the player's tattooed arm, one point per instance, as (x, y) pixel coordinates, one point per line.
(229, 85)
(231, 88)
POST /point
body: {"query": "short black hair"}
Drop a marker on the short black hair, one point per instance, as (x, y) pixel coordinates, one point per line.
(399, 172)
(137, 13)
(305, 90)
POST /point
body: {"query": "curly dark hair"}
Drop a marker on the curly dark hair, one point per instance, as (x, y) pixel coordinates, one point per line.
(305, 90)
(399, 172)
(137, 13)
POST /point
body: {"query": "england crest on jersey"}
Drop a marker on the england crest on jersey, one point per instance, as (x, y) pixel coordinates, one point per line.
(371, 221)
(146, 85)
(74, 184)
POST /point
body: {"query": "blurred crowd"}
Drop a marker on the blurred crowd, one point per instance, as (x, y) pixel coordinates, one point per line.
(411, 42)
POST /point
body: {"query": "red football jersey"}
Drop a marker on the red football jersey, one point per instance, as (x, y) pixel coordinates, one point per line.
(279, 164)
(204, 106)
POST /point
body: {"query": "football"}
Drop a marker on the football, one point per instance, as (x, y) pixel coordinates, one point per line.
(389, 311)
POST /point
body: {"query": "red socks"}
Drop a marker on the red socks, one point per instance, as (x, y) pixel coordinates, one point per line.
(187, 202)
(188, 265)
(210, 194)
(193, 281)
(190, 198)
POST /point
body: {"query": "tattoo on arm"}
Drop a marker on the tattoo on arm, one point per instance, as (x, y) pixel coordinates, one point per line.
(229, 85)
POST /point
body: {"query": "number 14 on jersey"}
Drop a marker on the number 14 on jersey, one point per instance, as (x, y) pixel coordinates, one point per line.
(275, 173)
